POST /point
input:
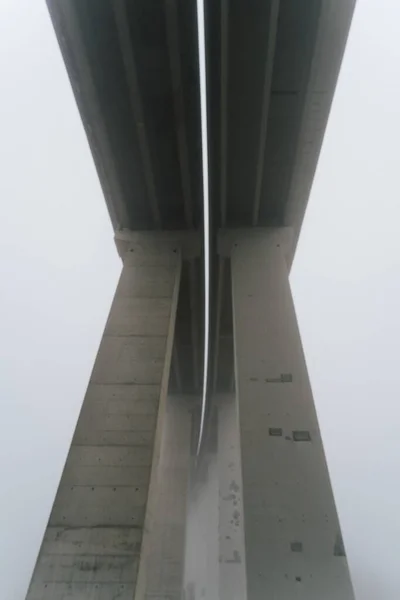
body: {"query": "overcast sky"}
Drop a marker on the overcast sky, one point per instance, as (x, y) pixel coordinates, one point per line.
(59, 267)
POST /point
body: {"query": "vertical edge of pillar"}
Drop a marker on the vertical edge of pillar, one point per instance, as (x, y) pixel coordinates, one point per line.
(148, 541)
(232, 568)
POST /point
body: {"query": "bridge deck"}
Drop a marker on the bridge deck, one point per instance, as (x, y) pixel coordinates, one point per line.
(272, 68)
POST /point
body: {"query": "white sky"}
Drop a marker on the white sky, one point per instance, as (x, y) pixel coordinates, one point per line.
(58, 270)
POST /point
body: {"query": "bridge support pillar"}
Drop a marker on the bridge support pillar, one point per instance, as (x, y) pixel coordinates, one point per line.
(293, 544)
(93, 542)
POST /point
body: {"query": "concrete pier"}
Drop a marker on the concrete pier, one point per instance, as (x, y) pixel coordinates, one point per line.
(291, 526)
(92, 544)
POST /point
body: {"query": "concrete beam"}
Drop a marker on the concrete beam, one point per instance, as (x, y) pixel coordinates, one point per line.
(269, 66)
(69, 35)
(333, 28)
(173, 41)
(224, 108)
(128, 57)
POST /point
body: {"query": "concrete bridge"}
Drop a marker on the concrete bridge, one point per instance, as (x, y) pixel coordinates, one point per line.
(147, 508)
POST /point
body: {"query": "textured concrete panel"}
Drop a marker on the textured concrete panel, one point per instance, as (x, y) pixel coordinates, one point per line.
(113, 438)
(287, 497)
(106, 475)
(118, 456)
(146, 282)
(93, 506)
(63, 568)
(93, 421)
(98, 541)
(136, 399)
(139, 316)
(130, 360)
(81, 591)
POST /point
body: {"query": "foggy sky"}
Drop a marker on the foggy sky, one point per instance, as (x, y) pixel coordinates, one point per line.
(59, 267)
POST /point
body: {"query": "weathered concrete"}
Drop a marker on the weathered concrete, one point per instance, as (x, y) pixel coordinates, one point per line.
(215, 566)
(201, 576)
(163, 547)
(290, 520)
(93, 540)
(232, 568)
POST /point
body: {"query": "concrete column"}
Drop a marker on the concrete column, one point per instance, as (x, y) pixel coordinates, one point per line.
(292, 534)
(92, 545)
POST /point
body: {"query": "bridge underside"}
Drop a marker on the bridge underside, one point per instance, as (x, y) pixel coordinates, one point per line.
(272, 67)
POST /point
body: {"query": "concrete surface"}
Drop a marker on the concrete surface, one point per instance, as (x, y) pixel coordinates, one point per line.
(291, 526)
(137, 514)
(92, 544)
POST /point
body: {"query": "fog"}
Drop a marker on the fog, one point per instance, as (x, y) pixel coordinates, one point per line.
(59, 268)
